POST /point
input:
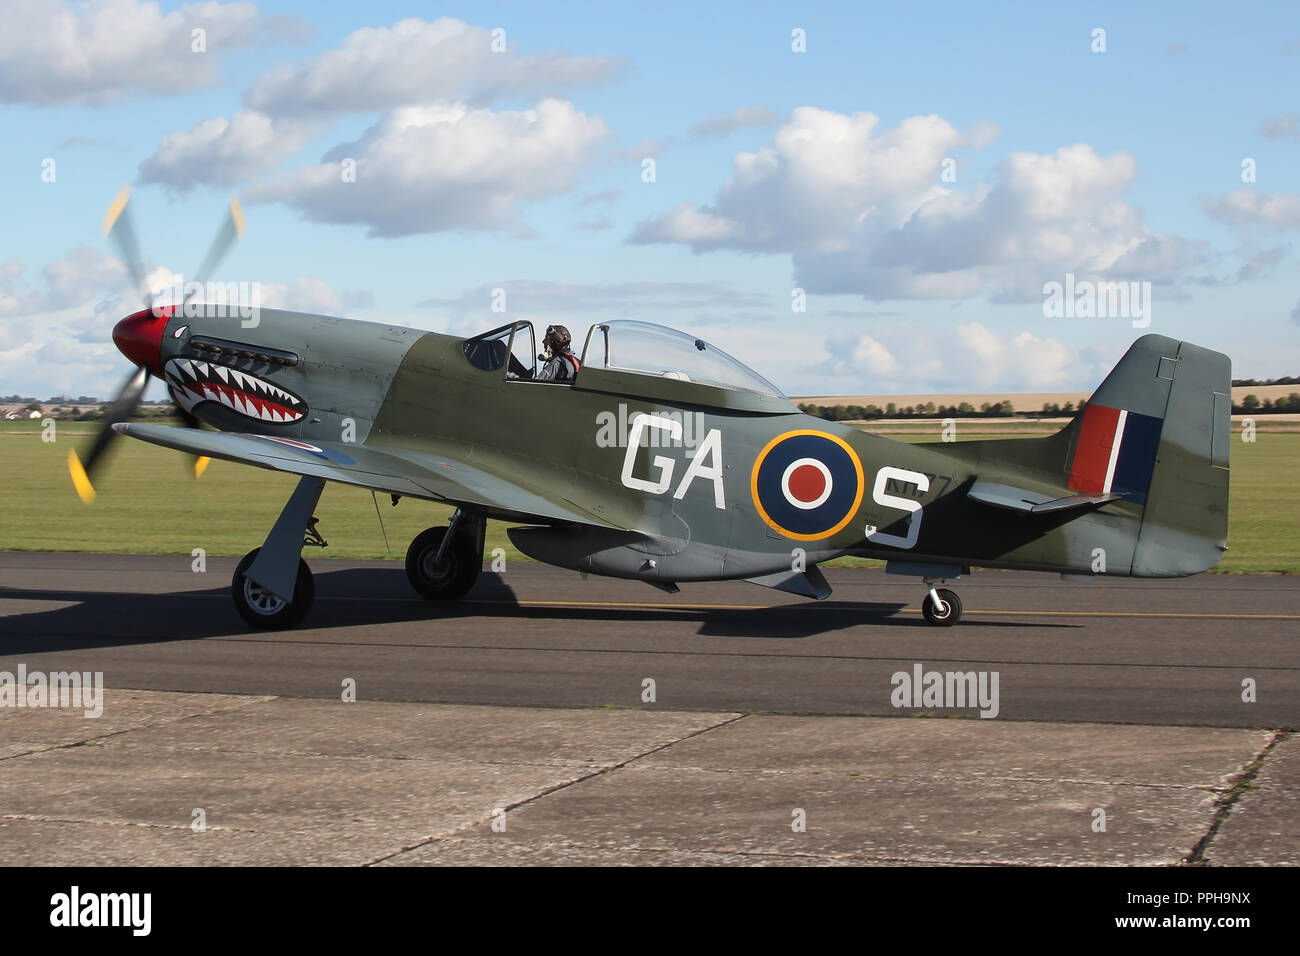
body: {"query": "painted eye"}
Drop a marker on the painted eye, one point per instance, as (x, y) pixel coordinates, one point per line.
(179, 332)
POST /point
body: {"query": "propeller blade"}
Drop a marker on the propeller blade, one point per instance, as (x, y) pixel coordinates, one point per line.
(119, 228)
(231, 229)
(128, 398)
(80, 480)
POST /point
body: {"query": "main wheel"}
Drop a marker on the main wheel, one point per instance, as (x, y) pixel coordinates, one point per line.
(447, 581)
(264, 610)
(946, 615)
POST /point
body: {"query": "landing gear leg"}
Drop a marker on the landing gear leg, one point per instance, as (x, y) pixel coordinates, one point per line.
(273, 588)
(941, 607)
(442, 564)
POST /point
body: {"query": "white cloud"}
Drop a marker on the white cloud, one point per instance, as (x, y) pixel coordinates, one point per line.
(1246, 208)
(61, 340)
(644, 148)
(746, 117)
(440, 168)
(864, 211)
(53, 52)
(82, 275)
(690, 224)
(220, 151)
(415, 62)
(592, 199)
(1262, 264)
(824, 174)
(305, 294)
(14, 301)
(56, 336)
(542, 296)
(873, 358)
(1279, 127)
(65, 350)
(967, 357)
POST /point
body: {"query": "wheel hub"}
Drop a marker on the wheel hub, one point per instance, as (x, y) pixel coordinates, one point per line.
(434, 573)
(260, 599)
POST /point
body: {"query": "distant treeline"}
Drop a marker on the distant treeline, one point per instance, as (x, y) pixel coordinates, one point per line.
(67, 400)
(56, 400)
(1291, 380)
(77, 413)
(841, 413)
(1251, 405)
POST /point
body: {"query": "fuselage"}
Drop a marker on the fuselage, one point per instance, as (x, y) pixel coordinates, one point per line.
(683, 480)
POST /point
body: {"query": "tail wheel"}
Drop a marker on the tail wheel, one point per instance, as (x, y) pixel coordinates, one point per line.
(946, 613)
(264, 610)
(453, 577)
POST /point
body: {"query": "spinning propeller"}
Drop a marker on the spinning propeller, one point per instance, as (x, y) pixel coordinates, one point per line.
(139, 336)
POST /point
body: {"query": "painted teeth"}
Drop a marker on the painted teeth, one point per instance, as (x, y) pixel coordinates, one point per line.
(196, 381)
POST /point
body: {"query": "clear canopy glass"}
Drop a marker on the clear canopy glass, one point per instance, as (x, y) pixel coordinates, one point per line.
(631, 346)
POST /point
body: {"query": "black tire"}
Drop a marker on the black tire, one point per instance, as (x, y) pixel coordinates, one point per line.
(946, 617)
(262, 609)
(460, 566)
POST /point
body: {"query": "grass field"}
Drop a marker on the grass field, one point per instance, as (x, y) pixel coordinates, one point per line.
(148, 502)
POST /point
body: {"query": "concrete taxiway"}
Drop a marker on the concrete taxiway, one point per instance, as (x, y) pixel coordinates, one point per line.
(524, 703)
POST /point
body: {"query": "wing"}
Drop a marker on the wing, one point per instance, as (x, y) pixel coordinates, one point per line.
(416, 474)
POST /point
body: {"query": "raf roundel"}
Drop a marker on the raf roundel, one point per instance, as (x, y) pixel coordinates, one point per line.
(807, 484)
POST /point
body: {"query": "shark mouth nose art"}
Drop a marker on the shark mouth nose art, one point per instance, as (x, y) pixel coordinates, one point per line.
(193, 382)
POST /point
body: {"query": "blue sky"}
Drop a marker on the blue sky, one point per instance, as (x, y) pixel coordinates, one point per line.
(523, 170)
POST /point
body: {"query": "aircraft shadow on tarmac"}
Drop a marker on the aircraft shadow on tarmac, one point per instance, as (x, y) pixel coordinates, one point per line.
(357, 597)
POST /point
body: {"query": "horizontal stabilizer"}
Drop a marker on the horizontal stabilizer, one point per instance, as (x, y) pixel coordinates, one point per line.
(1002, 495)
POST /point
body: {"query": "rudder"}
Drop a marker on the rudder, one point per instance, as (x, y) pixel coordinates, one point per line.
(1157, 431)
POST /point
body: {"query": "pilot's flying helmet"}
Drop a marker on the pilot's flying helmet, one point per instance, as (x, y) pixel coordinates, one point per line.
(557, 338)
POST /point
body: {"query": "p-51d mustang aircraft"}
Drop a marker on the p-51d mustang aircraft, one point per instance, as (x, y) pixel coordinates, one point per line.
(665, 460)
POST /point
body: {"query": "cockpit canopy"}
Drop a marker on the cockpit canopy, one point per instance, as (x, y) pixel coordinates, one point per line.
(627, 345)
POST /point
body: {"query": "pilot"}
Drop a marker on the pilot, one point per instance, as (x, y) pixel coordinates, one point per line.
(561, 364)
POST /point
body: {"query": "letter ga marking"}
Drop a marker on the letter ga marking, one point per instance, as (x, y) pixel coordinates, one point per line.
(807, 484)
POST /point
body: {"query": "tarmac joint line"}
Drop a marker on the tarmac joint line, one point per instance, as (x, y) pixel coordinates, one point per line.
(1228, 799)
(564, 785)
(95, 739)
